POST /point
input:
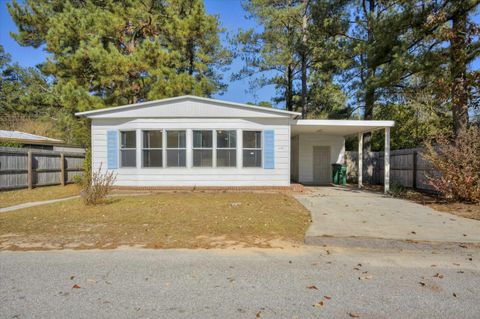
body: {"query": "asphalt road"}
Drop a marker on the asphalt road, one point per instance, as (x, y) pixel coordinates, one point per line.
(136, 283)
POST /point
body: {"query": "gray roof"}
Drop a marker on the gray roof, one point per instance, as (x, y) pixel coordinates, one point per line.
(189, 97)
(16, 135)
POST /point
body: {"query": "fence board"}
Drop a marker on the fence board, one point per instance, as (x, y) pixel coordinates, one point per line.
(406, 168)
(45, 167)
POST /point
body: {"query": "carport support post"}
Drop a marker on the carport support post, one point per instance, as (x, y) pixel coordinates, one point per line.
(360, 160)
(386, 182)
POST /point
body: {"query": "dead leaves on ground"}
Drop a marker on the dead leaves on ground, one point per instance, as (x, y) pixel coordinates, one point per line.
(321, 303)
(366, 277)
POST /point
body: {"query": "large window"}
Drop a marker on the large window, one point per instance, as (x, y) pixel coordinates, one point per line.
(152, 149)
(226, 148)
(128, 148)
(252, 149)
(202, 148)
(176, 149)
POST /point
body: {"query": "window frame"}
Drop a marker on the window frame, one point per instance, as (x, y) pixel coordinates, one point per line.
(166, 148)
(253, 149)
(212, 149)
(120, 149)
(227, 148)
(153, 148)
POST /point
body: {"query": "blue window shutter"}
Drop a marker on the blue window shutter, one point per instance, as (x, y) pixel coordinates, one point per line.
(269, 149)
(112, 149)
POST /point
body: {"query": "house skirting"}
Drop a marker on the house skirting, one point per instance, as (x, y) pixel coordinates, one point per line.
(292, 187)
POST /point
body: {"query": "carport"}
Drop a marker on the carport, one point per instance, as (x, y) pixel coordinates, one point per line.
(316, 144)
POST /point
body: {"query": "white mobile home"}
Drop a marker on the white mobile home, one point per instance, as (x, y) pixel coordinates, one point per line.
(195, 141)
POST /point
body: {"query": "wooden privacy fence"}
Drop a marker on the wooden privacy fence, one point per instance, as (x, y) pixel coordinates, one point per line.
(407, 168)
(21, 168)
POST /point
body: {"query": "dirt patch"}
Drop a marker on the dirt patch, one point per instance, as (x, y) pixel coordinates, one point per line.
(466, 210)
(162, 220)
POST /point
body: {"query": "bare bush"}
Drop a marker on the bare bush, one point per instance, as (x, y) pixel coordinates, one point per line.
(458, 163)
(97, 186)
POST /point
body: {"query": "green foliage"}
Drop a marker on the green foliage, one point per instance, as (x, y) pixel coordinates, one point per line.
(108, 53)
(118, 52)
(271, 56)
(23, 90)
(10, 144)
(419, 117)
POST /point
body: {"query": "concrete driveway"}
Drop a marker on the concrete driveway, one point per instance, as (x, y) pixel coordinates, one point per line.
(346, 216)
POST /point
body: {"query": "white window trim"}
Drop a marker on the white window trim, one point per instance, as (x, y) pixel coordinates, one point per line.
(120, 149)
(253, 149)
(213, 148)
(152, 148)
(166, 148)
(227, 148)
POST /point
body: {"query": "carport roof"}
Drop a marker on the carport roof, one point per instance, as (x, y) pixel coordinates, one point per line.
(337, 127)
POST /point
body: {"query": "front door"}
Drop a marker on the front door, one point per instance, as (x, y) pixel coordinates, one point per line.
(321, 165)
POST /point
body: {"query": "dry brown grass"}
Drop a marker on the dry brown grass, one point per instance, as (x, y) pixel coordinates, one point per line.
(15, 197)
(162, 220)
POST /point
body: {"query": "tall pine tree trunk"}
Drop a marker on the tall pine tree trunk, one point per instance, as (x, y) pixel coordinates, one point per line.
(369, 89)
(303, 61)
(289, 90)
(458, 72)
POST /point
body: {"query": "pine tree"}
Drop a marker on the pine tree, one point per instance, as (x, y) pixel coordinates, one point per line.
(104, 53)
(110, 52)
(271, 55)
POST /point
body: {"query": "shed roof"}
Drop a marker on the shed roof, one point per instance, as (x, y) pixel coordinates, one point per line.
(23, 137)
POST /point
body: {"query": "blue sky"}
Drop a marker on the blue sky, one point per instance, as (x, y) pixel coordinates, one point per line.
(232, 18)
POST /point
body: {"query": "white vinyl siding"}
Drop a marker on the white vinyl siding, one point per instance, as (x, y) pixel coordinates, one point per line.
(306, 144)
(189, 175)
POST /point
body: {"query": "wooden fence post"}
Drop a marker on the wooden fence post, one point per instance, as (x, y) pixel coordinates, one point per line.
(62, 169)
(414, 169)
(30, 170)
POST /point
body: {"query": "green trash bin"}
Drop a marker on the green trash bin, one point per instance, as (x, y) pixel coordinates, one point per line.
(343, 175)
(336, 171)
(339, 174)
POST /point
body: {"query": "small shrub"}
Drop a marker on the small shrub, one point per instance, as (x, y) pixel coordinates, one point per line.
(458, 164)
(78, 179)
(397, 189)
(97, 186)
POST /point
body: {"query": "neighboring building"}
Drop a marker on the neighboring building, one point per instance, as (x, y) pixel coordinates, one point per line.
(194, 141)
(32, 141)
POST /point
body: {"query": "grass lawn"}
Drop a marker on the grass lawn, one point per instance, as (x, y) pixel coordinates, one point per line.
(161, 220)
(15, 197)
